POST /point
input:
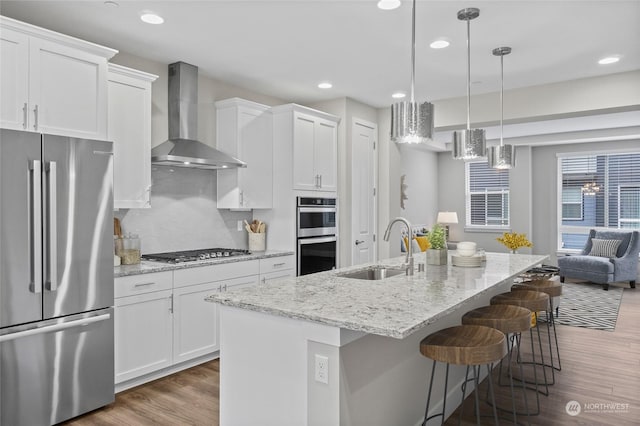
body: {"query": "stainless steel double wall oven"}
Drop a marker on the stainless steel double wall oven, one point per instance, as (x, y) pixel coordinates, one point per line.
(316, 232)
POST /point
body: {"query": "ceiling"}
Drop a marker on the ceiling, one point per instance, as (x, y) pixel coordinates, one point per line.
(285, 48)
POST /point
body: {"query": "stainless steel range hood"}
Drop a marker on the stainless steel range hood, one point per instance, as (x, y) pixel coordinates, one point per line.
(183, 149)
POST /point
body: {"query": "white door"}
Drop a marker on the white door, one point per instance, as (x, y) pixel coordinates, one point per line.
(363, 191)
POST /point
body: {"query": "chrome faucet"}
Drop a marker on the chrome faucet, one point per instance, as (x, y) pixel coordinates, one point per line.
(409, 261)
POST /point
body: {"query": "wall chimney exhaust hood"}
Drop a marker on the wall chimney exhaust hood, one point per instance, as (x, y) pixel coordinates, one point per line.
(183, 149)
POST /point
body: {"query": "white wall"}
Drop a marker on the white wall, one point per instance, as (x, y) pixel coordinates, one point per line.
(587, 96)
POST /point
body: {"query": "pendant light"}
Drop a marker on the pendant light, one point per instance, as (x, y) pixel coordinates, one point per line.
(469, 144)
(503, 156)
(412, 122)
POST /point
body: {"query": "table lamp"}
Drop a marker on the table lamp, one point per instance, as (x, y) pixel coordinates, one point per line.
(446, 219)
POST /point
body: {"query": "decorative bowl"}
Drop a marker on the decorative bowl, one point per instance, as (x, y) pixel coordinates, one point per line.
(466, 248)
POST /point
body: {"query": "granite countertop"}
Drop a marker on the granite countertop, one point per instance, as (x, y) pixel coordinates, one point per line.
(393, 307)
(147, 266)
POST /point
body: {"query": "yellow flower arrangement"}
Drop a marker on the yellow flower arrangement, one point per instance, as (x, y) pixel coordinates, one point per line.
(513, 240)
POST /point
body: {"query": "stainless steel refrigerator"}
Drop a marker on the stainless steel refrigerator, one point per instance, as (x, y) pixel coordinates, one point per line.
(56, 277)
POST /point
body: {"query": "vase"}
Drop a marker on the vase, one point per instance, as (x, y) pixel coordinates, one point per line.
(436, 256)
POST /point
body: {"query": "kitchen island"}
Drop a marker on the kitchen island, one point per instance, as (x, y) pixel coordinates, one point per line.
(324, 349)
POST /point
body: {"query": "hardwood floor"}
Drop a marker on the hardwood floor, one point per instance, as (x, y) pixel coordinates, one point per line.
(189, 397)
(598, 367)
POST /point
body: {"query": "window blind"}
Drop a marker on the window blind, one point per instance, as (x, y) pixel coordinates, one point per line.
(487, 195)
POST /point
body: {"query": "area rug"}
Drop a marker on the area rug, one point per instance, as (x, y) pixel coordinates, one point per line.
(587, 305)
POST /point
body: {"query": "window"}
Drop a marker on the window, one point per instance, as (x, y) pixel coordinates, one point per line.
(597, 191)
(487, 196)
(572, 204)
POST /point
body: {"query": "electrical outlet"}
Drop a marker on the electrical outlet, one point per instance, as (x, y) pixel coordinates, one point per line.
(240, 225)
(322, 369)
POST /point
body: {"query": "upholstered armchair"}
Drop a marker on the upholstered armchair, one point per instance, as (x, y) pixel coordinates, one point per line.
(608, 256)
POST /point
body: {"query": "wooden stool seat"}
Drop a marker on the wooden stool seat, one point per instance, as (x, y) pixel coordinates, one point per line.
(552, 288)
(465, 345)
(506, 318)
(533, 300)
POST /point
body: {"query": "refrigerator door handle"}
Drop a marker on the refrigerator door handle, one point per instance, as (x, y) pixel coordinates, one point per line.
(52, 261)
(36, 226)
(56, 327)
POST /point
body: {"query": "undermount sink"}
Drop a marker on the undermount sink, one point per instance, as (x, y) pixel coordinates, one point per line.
(373, 273)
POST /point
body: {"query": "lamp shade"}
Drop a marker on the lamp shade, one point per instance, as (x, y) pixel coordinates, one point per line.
(469, 144)
(447, 217)
(411, 122)
(501, 156)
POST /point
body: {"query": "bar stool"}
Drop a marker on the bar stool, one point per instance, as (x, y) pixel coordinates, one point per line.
(535, 301)
(469, 345)
(553, 289)
(512, 321)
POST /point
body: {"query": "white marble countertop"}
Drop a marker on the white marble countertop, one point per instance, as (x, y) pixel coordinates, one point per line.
(393, 307)
(147, 266)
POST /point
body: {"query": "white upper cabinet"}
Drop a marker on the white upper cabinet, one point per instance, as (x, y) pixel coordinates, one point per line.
(129, 127)
(314, 141)
(52, 83)
(244, 130)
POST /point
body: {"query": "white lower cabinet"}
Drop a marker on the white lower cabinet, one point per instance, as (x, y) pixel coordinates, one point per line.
(143, 324)
(274, 268)
(162, 322)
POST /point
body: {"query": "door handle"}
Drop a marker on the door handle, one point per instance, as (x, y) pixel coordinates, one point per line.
(52, 264)
(36, 226)
(358, 242)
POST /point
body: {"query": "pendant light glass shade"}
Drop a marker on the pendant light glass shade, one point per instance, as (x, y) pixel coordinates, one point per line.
(502, 156)
(469, 144)
(411, 121)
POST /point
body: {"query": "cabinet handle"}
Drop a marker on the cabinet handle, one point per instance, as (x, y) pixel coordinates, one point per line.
(171, 303)
(143, 284)
(224, 287)
(277, 265)
(320, 186)
(264, 280)
(242, 198)
(25, 111)
(35, 116)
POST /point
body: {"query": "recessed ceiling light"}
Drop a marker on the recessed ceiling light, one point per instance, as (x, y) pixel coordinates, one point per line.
(609, 60)
(439, 44)
(398, 95)
(325, 85)
(151, 18)
(388, 4)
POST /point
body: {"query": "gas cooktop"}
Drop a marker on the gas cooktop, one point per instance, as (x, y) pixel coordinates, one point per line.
(195, 255)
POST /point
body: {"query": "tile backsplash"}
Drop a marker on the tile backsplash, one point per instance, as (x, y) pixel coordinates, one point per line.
(183, 214)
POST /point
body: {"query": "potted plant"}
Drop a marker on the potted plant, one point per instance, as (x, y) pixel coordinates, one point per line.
(437, 253)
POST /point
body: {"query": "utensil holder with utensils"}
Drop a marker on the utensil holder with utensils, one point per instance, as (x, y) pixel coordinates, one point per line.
(257, 235)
